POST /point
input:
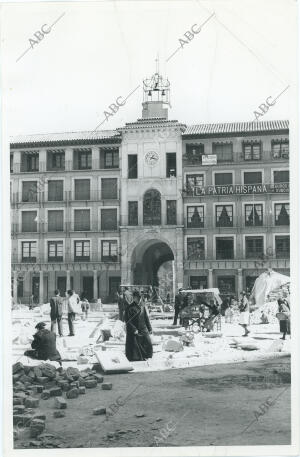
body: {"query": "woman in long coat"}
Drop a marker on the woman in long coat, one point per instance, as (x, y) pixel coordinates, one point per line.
(138, 342)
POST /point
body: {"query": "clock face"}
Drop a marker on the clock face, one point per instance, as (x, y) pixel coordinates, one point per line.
(151, 158)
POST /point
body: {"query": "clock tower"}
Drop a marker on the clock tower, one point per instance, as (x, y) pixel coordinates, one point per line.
(151, 208)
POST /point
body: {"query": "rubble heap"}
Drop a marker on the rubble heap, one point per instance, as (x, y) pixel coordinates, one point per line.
(34, 384)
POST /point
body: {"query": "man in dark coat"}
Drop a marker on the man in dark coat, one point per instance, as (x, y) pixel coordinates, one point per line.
(179, 305)
(56, 304)
(43, 345)
(138, 342)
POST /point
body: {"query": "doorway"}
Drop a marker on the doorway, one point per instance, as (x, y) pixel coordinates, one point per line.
(87, 287)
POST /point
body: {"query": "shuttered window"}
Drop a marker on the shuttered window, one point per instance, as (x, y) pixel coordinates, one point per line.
(82, 219)
(29, 221)
(29, 191)
(82, 189)
(109, 188)
(109, 219)
(55, 190)
(55, 220)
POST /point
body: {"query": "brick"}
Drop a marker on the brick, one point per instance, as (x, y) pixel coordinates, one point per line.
(19, 409)
(31, 402)
(25, 379)
(17, 367)
(40, 416)
(106, 386)
(18, 419)
(98, 377)
(38, 372)
(58, 414)
(31, 374)
(45, 395)
(84, 374)
(17, 376)
(38, 389)
(72, 393)
(99, 411)
(81, 389)
(48, 370)
(18, 401)
(91, 383)
(42, 379)
(37, 426)
(81, 381)
(60, 403)
(55, 392)
(73, 372)
(66, 387)
(50, 384)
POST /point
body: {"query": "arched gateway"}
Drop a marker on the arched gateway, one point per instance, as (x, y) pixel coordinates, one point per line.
(146, 261)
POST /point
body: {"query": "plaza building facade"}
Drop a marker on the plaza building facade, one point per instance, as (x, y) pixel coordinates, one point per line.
(92, 210)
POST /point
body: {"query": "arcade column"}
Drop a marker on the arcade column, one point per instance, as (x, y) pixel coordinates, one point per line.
(210, 278)
(240, 280)
(41, 288)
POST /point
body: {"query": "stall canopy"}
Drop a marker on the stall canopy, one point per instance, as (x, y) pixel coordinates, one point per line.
(266, 283)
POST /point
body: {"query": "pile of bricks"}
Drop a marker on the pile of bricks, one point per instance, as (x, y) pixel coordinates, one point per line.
(34, 384)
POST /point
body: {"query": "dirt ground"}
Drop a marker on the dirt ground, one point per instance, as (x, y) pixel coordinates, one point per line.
(231, 404)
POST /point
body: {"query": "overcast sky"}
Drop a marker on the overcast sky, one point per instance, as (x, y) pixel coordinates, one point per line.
(98, 51)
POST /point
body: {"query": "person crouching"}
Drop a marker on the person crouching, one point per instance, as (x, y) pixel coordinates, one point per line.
(43, 345)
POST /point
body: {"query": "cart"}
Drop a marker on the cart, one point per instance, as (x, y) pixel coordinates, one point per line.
(202, 309)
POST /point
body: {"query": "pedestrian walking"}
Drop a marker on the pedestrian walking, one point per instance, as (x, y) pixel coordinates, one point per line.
(56, 304)
(73, 300)
(283, 316)
(179, 305)
(244, 312)
(138, 342)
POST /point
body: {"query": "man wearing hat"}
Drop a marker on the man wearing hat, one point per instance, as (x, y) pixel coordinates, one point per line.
(43, 345)
(179, 304)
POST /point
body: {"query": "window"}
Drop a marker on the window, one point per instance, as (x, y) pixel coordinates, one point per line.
(224, 151)
(82, 159)
(253, 215)
(254, 247)
(252, 177)
(111, 159)
(29, 191)
(11, 163)
(133, 213)
(55, 191)
(195, 248)
(152, 207)
(282, 214)
(55, 251)
(29, 221)
(193, 181)
(109, 187)
(226, 285)
(171, 165)
(198, 282)
(29, 251)
(30, 161)
(223, 179)
(55, 220)
(195, 216)
(82, 220)
(109, 251)
(281, 176)
(82, 189)
(282, 247)
(56, 160)
(224, 248)
(82, 250)
(171, 212)
(132, 166)
(194, 153)
(224, 216)
(252, 151)
(280, 149)
(109, 219)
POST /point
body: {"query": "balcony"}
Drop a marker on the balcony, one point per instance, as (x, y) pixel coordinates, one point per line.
(42, 197)
(237, 157)
(236, 263)
(44, 227)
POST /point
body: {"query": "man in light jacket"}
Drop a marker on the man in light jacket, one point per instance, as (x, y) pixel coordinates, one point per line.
(73, 301)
